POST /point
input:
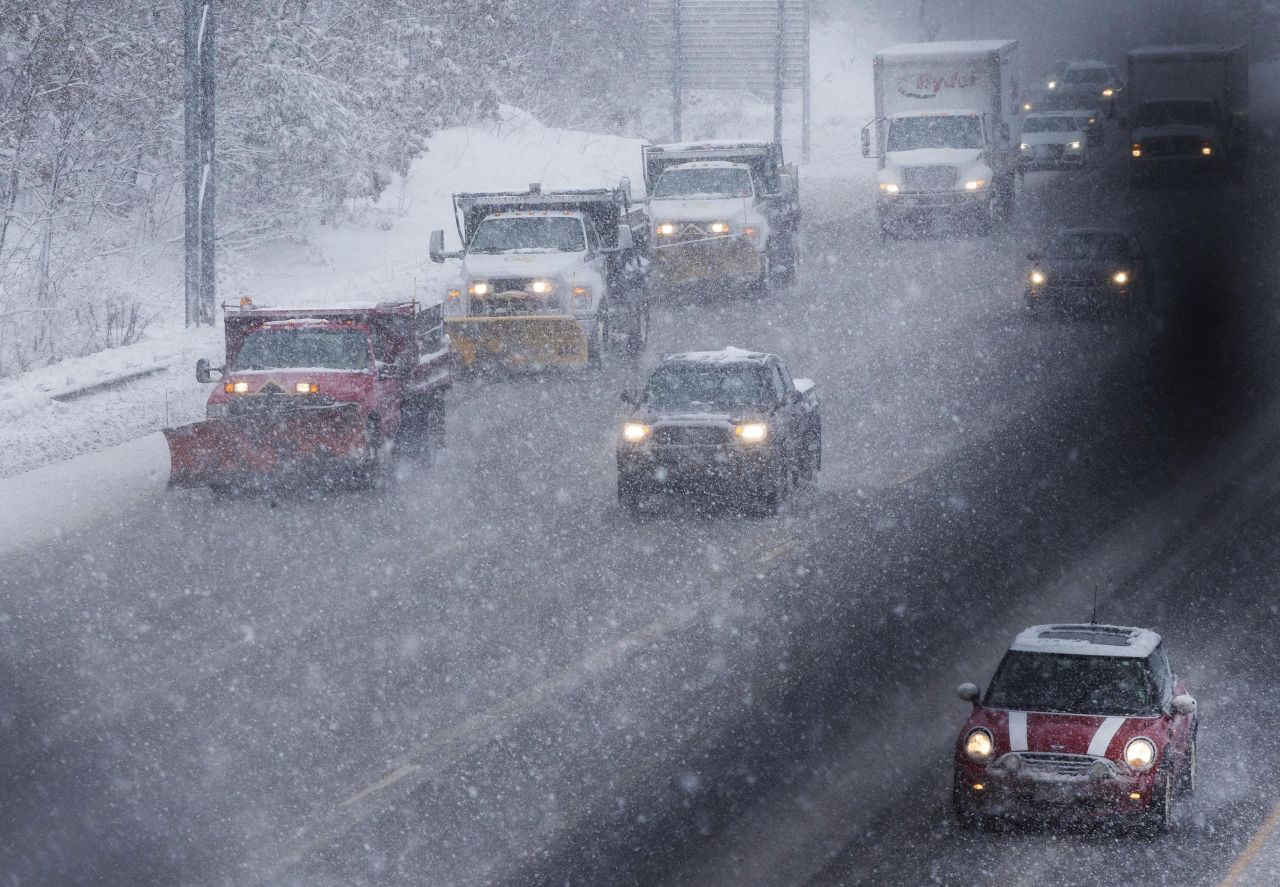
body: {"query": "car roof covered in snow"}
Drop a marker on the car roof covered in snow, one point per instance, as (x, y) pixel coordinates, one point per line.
(1087, 640)
(725, 355)
(1174, 50)
(707, 164)
(713, 144)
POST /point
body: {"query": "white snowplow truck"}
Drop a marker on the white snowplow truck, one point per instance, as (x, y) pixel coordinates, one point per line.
(1188, 109)
(547, 277)
(722, 213)
(944, 132)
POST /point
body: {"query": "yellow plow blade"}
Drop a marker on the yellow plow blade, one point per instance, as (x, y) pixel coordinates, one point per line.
(524, 340)
(723, 258)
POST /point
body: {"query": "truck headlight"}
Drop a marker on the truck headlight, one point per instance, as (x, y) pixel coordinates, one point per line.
(665, 229)
(752, 432)
(581, 297)
(720, 228)
(1038, 277)
(978, 745)
(1206, 149)
(1075, 146)
(1140, 753)
(1024, 147)
(236, 387)
(306, 388)
(1108, 92)
(634, 432)
(889, 188)
(1136, 150)
(1120, 278)
(479, 288)
(541, 287)
(975, 184)
(1053, 84)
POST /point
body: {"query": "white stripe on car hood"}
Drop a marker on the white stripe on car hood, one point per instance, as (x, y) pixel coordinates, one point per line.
(1106, 732)
(1017, 731)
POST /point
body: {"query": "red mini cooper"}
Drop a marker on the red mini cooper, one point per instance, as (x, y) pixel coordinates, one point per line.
(1079, 720)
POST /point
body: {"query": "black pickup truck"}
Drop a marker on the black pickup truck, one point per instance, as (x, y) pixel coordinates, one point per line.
(711, 421)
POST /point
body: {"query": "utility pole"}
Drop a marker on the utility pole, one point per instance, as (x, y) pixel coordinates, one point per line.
(199, 168)
(677, 69)
(779, 71)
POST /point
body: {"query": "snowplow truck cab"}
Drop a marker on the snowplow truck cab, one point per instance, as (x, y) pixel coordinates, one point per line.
(312, 391)
(547, 278)
(722, 213)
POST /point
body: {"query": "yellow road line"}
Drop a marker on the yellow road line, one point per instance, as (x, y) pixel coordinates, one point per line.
(390, 779)
(777, 552)
(1255, 846)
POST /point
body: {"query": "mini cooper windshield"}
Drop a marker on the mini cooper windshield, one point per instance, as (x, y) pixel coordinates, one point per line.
(1085, 685)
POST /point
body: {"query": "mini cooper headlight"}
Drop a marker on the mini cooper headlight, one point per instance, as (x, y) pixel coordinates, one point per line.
(1140, 753)
(978, 746)
(634, 432)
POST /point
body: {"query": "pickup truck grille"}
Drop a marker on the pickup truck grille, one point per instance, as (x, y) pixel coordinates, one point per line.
(1171, 146)
(929, 178)
(691, 436)
(1048, 152)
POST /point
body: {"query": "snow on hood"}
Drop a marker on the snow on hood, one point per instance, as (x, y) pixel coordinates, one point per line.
(522, 264)
(962, 157)
(699, 209)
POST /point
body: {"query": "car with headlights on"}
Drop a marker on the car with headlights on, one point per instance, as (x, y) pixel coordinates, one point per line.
(1079, 720)
(1054, 140)
(1098, 79)
(1082, 268)
(728, 421)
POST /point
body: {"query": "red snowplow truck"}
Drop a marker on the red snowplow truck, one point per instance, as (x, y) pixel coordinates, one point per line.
(314, 392)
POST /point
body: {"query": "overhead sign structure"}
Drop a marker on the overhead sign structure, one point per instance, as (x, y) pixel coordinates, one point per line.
(759, 45)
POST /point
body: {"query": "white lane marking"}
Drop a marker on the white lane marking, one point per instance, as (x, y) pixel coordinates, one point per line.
(1102, 739)
(1017, 731)
(390, 779)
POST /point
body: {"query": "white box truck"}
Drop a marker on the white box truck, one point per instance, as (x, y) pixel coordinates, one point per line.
(945, 131)
(1188, 108)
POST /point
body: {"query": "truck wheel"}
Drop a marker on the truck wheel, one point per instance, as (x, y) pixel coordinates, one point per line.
(599, 339)
(638, 338)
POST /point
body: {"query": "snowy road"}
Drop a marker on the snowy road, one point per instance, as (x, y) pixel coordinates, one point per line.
(487, 673)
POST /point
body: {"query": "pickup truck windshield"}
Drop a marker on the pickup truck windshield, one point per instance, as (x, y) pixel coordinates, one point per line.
(704, 183)
(1188, 113)
(1052, 124)
(1086, 685)
(914, 133)
(1087, 75)
(536, 234)
(1088, 246)
(705, 384)
(278, 349)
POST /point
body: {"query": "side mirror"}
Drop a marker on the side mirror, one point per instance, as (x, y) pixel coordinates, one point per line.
(866, 140)
(629, 397)
(626, 240)
(969, 692)
(435, 248)
(1184, 704)
(204, 374)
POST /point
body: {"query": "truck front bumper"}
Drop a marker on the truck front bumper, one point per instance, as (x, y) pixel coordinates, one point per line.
(646, 469)
(913, 203)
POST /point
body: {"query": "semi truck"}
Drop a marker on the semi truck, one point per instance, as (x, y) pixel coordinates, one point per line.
(546, 277)
(314, 393)
(1188, 109)
(722, 213)
(945, 131)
